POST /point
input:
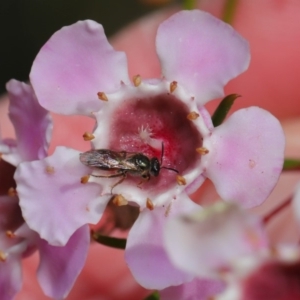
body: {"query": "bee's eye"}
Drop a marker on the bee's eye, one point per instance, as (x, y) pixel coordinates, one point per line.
(154, 166)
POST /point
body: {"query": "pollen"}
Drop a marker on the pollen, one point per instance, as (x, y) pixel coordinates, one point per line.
(202, 150)
(12, 192)
(10, 234)
(102, 96)
(137, 80)
(85, 179)
(87, 136)
(3, 256)
(173, 86)
(119, 200)
(149, 204)
(180, 180)
(192, 116)
(50, 170)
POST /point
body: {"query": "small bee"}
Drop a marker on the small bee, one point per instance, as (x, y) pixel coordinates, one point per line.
(134, 163)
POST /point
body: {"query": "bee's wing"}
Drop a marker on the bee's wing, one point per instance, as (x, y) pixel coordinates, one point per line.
(102, 159)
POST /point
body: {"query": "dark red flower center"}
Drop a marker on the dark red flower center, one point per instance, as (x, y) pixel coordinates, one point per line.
(164, 119)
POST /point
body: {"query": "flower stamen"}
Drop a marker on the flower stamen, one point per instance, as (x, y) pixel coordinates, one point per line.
(3, 256)
(180, 180)
(192, 116)
(102, 96)
(50, 170)
(10, 234)
(85, 179)
(137, 80)
(173, 86)
(87, 136)
(12, 192)
(119, 200)
(149, 204)
(202, 150)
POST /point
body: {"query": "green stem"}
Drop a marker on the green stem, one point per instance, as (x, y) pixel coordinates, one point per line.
(229, 11)
(189, 4)
(223, 109)
(291, 164)
(108, 240)
(153, 296)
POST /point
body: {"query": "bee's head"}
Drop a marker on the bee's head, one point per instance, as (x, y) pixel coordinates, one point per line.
(154, 166)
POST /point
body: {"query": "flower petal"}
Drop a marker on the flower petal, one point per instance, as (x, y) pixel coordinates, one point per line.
(10, 277)
(206, 241)
(246, 156)
(73, 66)
(200, 289)
(145, 253)
(60, 266)
(201, 52)
(54, 202)
(33, 128)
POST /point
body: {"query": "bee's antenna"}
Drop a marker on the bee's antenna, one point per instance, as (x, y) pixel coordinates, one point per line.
(176, 171)
(161, 159)
(162, 152)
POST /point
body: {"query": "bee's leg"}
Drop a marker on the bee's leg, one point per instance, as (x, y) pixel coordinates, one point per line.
(109, 176)
(145, 179)
(124, 174)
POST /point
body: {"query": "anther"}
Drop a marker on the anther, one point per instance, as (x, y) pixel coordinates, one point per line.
(102, 96)
(119, 200)
(192, 116)
(137, 80)
(149, 204)
(180, 180)
(3, 256)
(50, 170)
(202, 150)
(10, 234)
(173, 86)
(87, 136)
(85, 179)
(12, 192)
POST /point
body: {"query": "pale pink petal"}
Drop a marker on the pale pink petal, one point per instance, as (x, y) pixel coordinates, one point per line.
(10, 277)
(201, 52)
(145, 253)
(73, 66)
(60, 266)
(54, 202)
(33, 129)
(246, 156)
(206, 241)
(197, 289)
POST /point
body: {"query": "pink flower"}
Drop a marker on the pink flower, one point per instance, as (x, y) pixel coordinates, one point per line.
(227, 243)
(199, 54)
(273, 274)
(33, 127)
(207, 241)
(200, 289)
